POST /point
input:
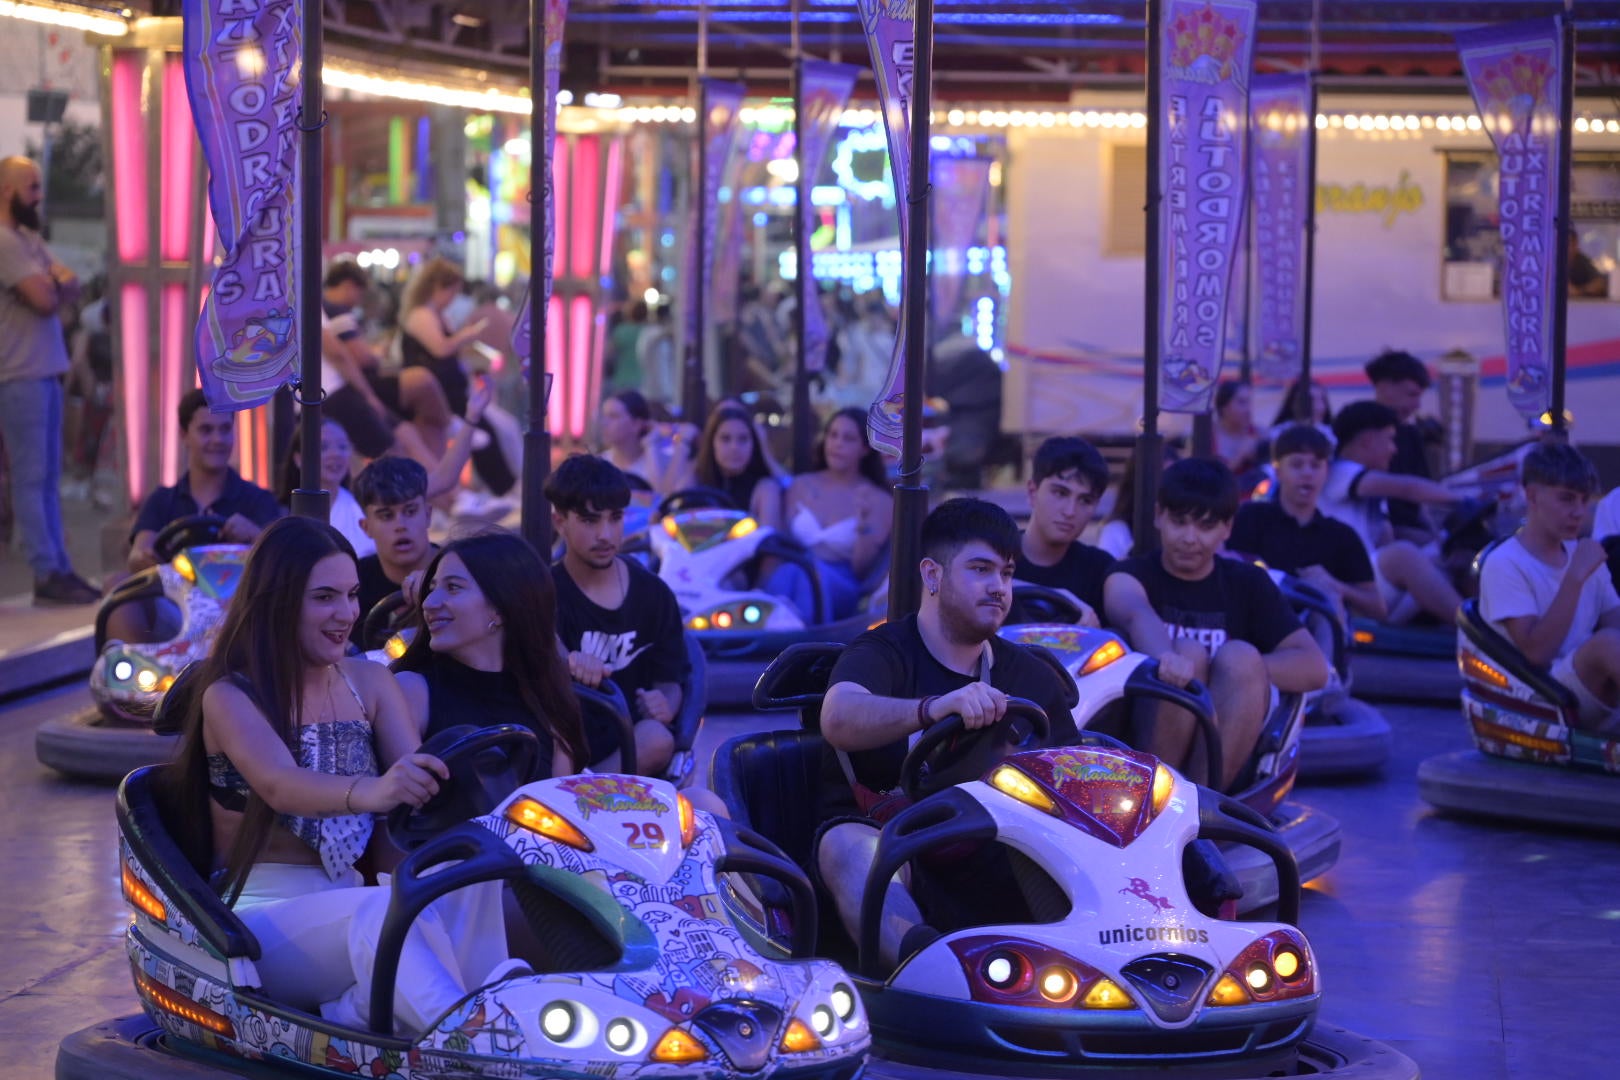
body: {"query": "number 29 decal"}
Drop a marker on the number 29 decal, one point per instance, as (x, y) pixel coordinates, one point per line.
(648, 834)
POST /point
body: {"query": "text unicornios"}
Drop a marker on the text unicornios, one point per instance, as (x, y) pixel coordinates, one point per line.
(1179, 935)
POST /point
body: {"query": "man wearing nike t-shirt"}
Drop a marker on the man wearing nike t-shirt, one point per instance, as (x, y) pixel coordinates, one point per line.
(615, 618)
(1219, 620)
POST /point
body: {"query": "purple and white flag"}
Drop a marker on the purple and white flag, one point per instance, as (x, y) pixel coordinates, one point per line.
(1284, 141)
(556, 16)
(1207, 54)
(824, 90)
(1515, 74)
(961, 187)
(721, 103)
(891, 35)
(242, 65)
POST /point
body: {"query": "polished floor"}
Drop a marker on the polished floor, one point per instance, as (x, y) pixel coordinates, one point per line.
(1480, 951)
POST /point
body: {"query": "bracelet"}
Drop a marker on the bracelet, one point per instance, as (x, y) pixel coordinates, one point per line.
(924, 721)
(347, 795)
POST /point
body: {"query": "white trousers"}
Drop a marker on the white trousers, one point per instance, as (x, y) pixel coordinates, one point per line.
(318, 941)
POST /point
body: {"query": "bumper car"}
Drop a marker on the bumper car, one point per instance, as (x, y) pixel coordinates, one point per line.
(637, 969)
(1104, 953)
(708, 553)
(185, 597)
(1529, 764)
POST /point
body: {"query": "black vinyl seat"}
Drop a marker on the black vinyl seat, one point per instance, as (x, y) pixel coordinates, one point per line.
(772, 783)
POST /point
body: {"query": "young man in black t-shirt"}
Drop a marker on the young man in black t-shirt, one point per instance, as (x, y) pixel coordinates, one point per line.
(392, 493)
(898, 678)
(1399, 381)
(1292, 535)
(1223, 619)
(616, 619)
(1067, 477)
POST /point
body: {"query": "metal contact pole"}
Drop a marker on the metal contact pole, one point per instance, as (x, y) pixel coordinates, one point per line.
(1149, 444)
(308, 499)
(694, 392)
(1560, 311)
(910, 495)
(803, 418)
(1302, 403)
(537, 434)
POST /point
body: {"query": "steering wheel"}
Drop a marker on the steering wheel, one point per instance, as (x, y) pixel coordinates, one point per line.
(948, 753)
(486, 765)
(1039, 603)
(185, 532)
(694, 498)
(383, 620)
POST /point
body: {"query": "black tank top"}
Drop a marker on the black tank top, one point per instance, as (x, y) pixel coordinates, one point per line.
(458, 694)
(412, 353)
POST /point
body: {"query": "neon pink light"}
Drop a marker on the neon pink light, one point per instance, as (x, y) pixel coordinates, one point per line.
(129, 155)
(560, 187)
(176, 330)
(578, 385)
(178, 143)
(587, 202)
(610, 203)
(554, 363)
(137, 416)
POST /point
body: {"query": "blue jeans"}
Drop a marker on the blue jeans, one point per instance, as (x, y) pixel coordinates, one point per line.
(840, 592)
(31, 421)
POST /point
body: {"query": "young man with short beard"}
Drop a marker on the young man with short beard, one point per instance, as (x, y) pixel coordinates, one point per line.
(899, 678)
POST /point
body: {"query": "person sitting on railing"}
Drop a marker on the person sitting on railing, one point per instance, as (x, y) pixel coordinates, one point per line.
(1358, 484)
(1067, 478)
(208, 486)
(1292, 534)
(1543, 590)
(616, 620)
(1221, 621)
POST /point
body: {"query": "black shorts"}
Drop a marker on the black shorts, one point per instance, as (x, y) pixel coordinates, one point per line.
(370, 432)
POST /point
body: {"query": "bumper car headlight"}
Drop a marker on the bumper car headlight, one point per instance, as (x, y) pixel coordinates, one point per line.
(182, 566)
(1106, 653)
(843, 1001)
(537, 817)
(1016, 784)
(799, 1039)
(1275, 968)
(676, 1047)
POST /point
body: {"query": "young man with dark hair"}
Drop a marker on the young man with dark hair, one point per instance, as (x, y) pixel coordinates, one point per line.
(1399, 381)
(1546, 590)
(1291, 534)
(1218, 620)
(208, 486)
(617, 620)
(899, 678)
(1358, 484)
(392, 493)
(1067, 478)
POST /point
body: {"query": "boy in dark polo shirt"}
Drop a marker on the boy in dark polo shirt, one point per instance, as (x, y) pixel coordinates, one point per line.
(1067, 477)
(1222, 618)
(1290, 534)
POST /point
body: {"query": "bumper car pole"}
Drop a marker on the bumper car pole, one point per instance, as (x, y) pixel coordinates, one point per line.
(308, 499)
(910, 494)
(1149, 443)
(536, 513)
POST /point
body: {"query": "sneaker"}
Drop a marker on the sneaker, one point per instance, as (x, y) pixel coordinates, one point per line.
(77, 580)
(63, 590)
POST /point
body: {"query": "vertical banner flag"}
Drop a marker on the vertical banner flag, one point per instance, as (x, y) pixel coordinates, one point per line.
(1284, 140)
(961, 187)
(728, 238)
(242, 66)
(824, 90)
(1204, 88)
(542, 262)
(721, 103)
(891, 35)
(1514, 72)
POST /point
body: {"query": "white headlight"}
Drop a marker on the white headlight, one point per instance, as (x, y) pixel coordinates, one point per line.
(843, 1001)
(123, 670)
(821, 1018)
(559, 1020)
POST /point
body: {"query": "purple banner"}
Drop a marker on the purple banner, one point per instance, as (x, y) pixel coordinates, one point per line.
(1283, 130)
(1514, 72)
(961, 186)
(891, 37)
(722, 118)
(728, 239)
(241, 66)
(556, 17)
(824, 89)
(1204, 85)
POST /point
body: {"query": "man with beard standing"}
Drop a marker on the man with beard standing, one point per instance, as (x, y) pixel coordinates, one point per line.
(899, 678)
(33, 359)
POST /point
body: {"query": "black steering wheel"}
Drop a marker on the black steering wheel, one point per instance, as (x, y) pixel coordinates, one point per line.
(948, 753)
(486, 765)
(694, 498)
(1042, 604)
(185, 532)
(383, 620)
